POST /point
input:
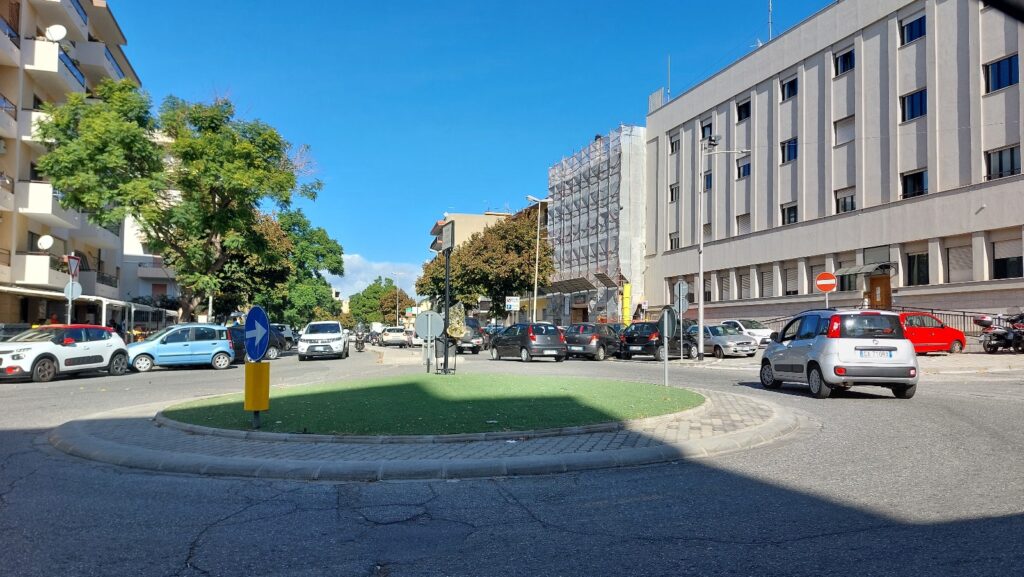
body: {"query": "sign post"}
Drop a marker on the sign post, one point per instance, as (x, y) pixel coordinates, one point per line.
(826, 282)
(257, 372)
(682, 289)
(447, 244)
(72, 290)
(667, 325)
(429, 326)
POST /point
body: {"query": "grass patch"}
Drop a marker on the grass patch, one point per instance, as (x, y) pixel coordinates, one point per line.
(433, 405)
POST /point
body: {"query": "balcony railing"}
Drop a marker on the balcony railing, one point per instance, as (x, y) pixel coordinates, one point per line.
(81, 11)
(9, 107)
(72, 67)
(113, 62)
(106, 279)
(8, 30)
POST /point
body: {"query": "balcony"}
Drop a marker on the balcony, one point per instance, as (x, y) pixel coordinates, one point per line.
(98, 62)
(52, 67)
(8, 118)
(99, 236)
(38, 201)
(38, 269)
(6, 200)
(27, 130)
(69, 13)
(155, 270)
(5, 265)
(99, 284)
(10, 44)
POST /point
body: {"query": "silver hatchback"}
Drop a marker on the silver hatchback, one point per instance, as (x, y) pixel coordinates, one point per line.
(837, 349)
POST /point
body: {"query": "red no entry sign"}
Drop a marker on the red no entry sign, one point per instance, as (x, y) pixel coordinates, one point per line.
(825, 282)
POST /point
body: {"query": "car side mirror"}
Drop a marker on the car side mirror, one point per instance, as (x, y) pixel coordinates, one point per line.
(68, 341)
(774, 337)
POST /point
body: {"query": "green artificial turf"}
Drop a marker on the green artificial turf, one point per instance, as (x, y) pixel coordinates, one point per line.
(435, 404)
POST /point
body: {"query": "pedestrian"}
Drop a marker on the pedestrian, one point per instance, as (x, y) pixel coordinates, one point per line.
(866, 303)
(53, 319)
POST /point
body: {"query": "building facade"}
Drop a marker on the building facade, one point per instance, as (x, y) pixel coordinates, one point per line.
(879, 140)
(595, 221)
(48, 49)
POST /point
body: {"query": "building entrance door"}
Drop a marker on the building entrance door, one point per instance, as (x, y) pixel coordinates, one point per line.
(880, 292)
(579, 315)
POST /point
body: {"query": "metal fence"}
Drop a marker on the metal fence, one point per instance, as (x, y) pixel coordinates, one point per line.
(960, 320)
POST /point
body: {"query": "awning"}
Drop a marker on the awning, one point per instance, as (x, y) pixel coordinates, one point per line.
(105, 302)
(572, 285)
(869, 269)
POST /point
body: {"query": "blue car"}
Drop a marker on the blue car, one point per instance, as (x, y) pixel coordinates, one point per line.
(188, 344)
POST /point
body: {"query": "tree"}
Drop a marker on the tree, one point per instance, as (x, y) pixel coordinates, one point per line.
(366, 305)
(313, 252)
(260, 275)
(104, 157)
(387, 305)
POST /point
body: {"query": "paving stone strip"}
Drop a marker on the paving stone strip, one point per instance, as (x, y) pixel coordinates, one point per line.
(132, 437)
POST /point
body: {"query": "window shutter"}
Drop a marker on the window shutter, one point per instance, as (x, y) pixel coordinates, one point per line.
(766, 283)
(791, 279)
(844, 130)
(744, 286)
(816, 270)
(724, 288)
(743, 224)
(1007, 248)
(961, 264)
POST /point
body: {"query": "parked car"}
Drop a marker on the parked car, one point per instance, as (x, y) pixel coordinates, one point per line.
(592, 340)
(414, 338)
(187, 344)
(394, 336)
(8, 330)
(837, 349)
(644, 338)
(277, 343)
(473, 339)
(45, 352)
(289, 335)
(323, 339)
(760, 333)
(929, 334)
(723, 341)
(527, 341)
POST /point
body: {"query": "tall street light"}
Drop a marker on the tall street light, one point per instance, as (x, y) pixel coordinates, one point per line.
(707, 148)
(396, 275)
(536, 256)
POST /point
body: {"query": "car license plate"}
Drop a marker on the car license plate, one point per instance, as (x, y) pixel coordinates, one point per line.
(636, 348)
(876, 354)
(320, 348)
(550, 352)
(575, 348)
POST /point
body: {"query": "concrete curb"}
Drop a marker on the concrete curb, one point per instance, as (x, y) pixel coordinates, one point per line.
(74, 439)
(631, 425)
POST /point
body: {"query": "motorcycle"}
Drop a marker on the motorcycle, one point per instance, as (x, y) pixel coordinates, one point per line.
(1001, 332)
(360, 341)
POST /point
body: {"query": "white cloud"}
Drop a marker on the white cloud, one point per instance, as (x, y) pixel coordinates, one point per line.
(360, 273)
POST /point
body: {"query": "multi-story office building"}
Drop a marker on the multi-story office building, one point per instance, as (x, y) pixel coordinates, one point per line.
(879, 140)
(48, 49)
(596, 225)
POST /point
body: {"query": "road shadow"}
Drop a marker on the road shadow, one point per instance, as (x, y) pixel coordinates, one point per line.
(801, 390)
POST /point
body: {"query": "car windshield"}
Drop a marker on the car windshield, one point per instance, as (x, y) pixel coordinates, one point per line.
(545, 330)
(159, 334)
(471, 322)
(322, 328)
(642, 329)
(581, 329)
(871, 326)
(37, 335)
(752, 324)
(722, 331)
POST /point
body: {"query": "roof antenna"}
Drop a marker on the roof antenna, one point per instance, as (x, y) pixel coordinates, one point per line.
(769, 20)
(668, 91)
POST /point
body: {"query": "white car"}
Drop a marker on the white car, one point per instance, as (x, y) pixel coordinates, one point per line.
(45, 352)
(395, 336)
(323, 339)
(760, 333)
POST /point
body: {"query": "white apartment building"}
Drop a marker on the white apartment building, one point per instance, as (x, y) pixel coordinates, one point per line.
(42, 62)
(877, 139)
(144, 274)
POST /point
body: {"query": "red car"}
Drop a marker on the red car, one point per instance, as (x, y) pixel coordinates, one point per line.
(930, 335)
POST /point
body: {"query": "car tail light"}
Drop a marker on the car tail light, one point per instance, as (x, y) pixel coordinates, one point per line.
(654, 336)
(593, 339)
(913, 372)
(871, 313)
(561, 336)
(833, 326)
(622, 338)
(840, 371)
(529, 332)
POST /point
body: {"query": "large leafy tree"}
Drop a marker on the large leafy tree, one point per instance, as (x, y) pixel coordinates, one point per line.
(260, 275)
(313, 254)
(387, 305)
(376, 303)
(196, 206)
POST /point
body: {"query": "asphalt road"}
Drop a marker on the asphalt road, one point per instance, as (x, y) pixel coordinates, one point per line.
(872, 486)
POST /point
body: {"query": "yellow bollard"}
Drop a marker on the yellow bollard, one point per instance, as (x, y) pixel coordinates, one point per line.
(257, 389)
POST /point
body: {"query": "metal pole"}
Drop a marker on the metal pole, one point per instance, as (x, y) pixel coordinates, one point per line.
(209, 309)
(536, 265)
(447, 298)
(700, 252)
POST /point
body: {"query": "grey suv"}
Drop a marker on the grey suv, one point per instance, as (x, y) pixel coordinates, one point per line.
(836, 349)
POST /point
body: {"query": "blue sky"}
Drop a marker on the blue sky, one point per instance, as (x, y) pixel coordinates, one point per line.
(414, 108)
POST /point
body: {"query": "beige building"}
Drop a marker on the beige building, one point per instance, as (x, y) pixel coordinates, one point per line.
(466, 225)
(49, 48)
(877, 139)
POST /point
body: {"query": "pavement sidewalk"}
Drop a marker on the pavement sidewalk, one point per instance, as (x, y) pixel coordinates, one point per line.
(132, 437)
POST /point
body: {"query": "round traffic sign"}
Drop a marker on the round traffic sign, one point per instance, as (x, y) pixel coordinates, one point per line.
(72, 290)
(257, 333)
(668, 323)
(429, 325)
(826, 282)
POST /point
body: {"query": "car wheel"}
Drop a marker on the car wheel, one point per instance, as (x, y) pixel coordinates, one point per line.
(272, 353)
(659, 354)
(768, 379)
(600, 355)
(956, 347)
(302, 358)
(686, 352)
(494, 354)
(559, 358)
(476, 350)
(143, 363)
(626, 356)
(750, 355)
(118, 365)
(719, 352)
(904, 391)
(524, 355)
(44, 371)
(221, 361)
(819, 388)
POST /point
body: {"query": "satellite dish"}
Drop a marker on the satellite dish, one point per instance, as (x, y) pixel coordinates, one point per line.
(56, 33)
(45, 242)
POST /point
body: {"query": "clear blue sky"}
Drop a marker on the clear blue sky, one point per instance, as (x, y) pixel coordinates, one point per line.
(414, 108)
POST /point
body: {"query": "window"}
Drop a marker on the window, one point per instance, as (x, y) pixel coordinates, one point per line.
(1006, 259)
(789, 214)
(847, 282)
(789, 333)
(912, 30)
(917, 269)
(844, 130)
(673, 241)
(673, 192)
(177, 336)
(705, 130)
(792, 284)
(743, 167)
(1001, 73)
(914, 105)
(743, 224)
(844, 62)
(204, 334)
(707, 180)
(742, 111)
(767, 283)
(846, 200)
(915, 183)
(98, 334)
(1002, 163)
(707, 231)
(673, 146)
(961, 263)
(789, 150)
(789, 89)
(808, 328)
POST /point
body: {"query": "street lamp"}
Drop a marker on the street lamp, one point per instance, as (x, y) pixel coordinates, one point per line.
(396, 275)
(707, 148)
(536, 256)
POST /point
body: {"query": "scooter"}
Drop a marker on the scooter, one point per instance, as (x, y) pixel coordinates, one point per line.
(360, 342)
(1001, 332)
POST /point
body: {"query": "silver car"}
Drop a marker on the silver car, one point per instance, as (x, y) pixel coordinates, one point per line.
(837, 349)
(723, 341)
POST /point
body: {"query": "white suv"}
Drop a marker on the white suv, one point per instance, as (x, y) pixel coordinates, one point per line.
(395, 336)
(323, 339)
(45, 352)
(836, 349)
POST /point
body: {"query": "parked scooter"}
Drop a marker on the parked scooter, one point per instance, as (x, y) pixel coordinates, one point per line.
(1001, 332)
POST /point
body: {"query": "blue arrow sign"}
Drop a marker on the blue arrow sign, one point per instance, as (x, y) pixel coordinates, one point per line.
(257, 333)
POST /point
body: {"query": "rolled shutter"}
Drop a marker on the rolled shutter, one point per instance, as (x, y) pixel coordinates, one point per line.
(724, 288)
(743, 224)
(766, 284)
(1007, 248)
(744, 286)
(791, 284)
(961, 263)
